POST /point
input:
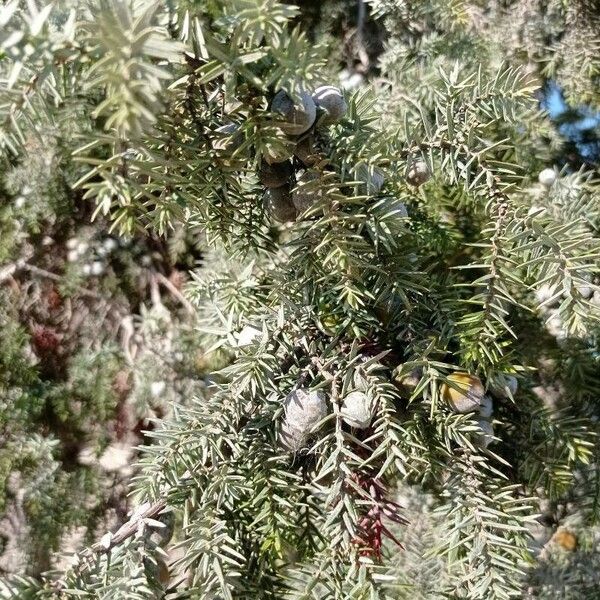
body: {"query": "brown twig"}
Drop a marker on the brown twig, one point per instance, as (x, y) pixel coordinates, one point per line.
(43, 273)
(175, 293)
(126, 530)
(107, 543)
(9, 270)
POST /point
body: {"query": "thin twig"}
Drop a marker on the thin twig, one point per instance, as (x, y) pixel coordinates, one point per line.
(9, 270)
(127, 529)
(43, 273)
(107, 543)
(360, 38)
(176, 293)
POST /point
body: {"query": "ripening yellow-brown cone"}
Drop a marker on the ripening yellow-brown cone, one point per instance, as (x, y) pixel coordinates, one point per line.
(164, 574)
(463, 393)
(566, 539)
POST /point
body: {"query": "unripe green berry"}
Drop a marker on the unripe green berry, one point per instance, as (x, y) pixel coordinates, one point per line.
(418, 173)
(408, 382)
(158, 570)
(275, 175)
(504, 386)
(305, 151)
(547, 177)
(585, 291)
(296, 118)
(486, 435)
(357, 410)
(278, 203)
(486, 408)
(303, 410)
(331, 101)
(290, 438)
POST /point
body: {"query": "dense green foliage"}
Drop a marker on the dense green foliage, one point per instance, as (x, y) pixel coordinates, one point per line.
(418, 250)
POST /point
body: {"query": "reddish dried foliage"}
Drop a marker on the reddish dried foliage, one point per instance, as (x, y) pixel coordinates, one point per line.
(45, 339)
(371, 527)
